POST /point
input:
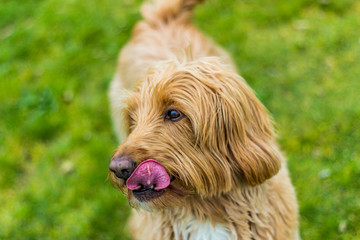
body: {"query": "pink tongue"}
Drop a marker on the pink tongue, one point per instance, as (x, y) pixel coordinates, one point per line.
(148, 173)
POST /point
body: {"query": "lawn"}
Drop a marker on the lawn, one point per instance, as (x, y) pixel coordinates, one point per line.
(302, 58)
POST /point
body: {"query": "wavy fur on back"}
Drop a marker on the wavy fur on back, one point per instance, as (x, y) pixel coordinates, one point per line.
(230, 176)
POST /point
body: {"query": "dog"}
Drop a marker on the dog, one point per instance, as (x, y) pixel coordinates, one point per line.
(199, 158)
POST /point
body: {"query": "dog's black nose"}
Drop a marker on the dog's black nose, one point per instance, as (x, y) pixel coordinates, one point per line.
(122, 166)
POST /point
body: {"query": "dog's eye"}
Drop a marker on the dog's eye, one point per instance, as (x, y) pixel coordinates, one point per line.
(173, 115)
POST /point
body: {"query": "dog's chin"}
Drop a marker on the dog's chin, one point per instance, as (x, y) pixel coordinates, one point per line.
(146, 195)
(149, 199)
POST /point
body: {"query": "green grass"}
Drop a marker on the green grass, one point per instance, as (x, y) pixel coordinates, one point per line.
(302, 58)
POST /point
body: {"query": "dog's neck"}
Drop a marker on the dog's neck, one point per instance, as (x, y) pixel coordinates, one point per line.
(213, 216)
(217, 209)
(192, 230)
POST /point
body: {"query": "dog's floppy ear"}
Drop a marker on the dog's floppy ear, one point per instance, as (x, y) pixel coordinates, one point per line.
(252, 142)
(240, 129)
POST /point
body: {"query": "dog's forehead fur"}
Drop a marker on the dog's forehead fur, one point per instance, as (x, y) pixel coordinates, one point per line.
(190, 87)
(173, 80)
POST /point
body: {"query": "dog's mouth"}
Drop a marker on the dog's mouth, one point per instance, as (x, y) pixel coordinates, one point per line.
(149, 180)
(145, 194)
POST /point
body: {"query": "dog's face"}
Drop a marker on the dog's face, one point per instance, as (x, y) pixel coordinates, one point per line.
(201, 124)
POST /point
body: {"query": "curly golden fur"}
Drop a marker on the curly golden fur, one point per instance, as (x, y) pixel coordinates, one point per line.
(222, 154)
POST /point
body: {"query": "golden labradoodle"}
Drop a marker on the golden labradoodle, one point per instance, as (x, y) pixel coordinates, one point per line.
(199, 159)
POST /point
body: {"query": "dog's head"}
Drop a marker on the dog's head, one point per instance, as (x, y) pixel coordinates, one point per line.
(193, 128)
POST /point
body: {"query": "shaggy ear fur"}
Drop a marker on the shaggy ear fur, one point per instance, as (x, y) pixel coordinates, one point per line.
(237, 125)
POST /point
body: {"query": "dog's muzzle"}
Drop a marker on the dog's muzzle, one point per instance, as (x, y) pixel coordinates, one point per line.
(150, 174)
(147, 181)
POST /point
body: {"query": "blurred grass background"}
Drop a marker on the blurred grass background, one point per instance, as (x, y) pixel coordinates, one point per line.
(302, 57)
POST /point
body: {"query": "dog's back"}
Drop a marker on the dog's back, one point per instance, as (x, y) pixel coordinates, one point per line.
(166, 33)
